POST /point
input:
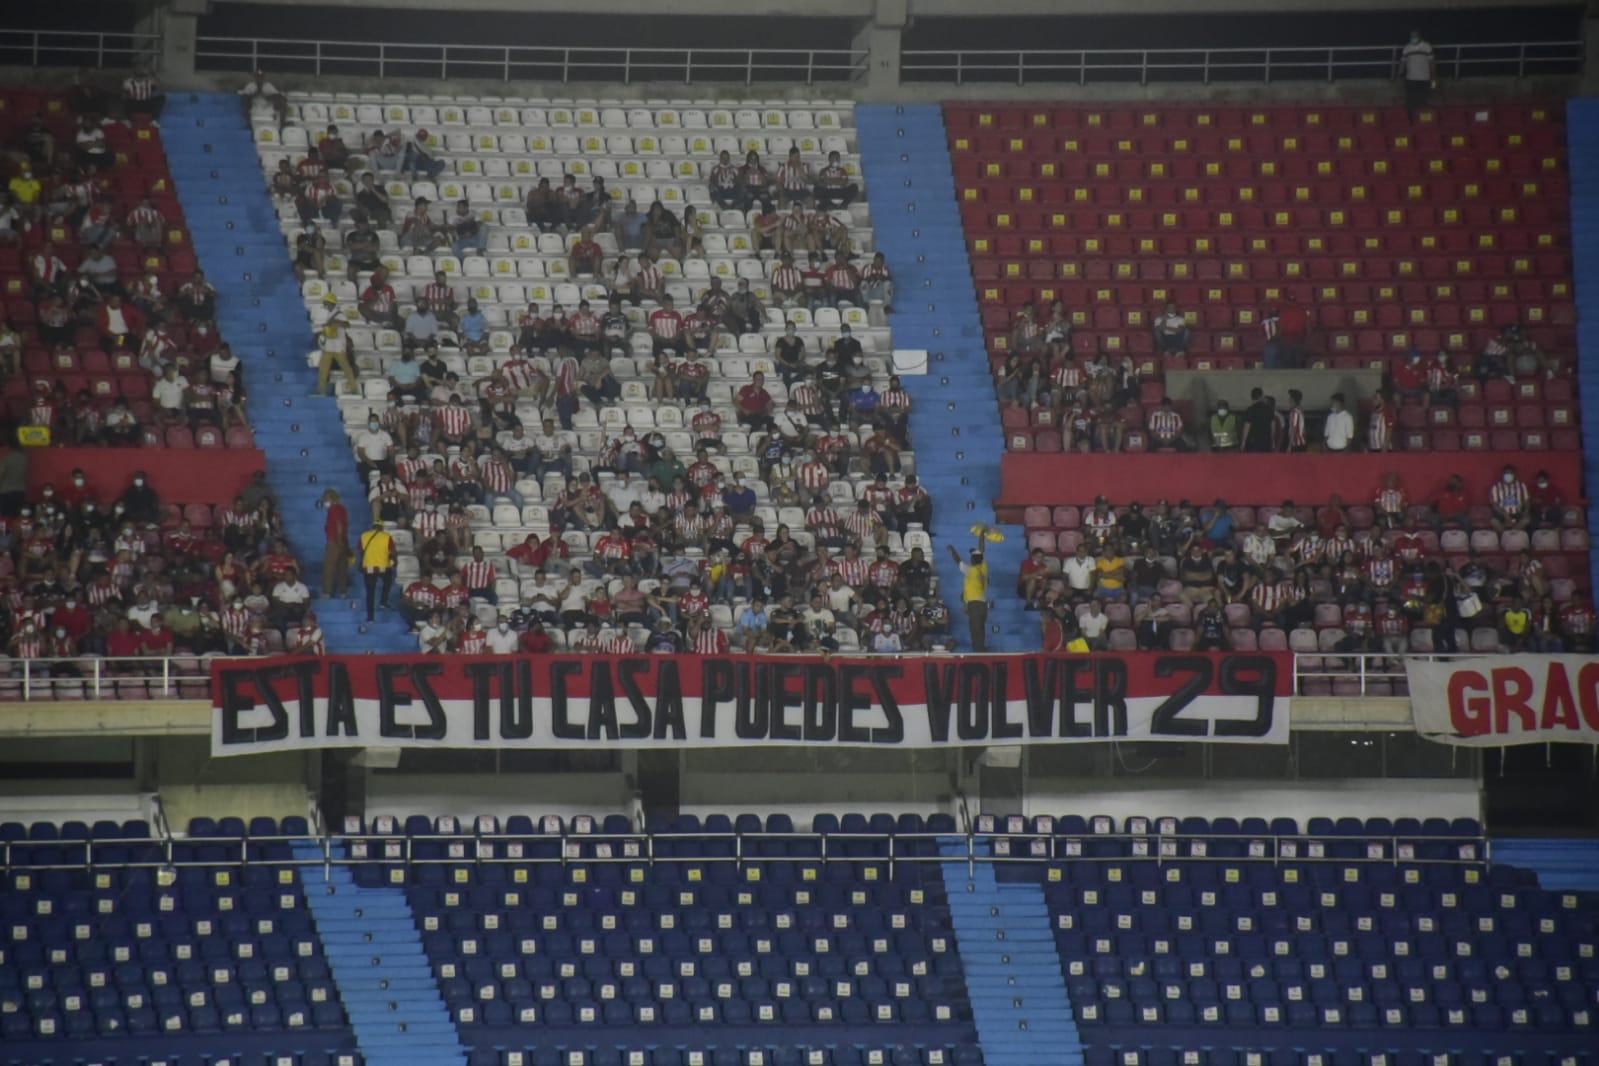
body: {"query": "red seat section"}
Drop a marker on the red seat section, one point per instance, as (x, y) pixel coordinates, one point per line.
(1392, 236)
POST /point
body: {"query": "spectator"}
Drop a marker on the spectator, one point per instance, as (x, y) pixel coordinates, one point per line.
(834, 190)
(1172, 334)
(336, 556)
(1154, 628)
(1224, 436)
(260, 96)
(1510, 501)
(974, 594)
(419, 159)
(1420, 76)
(1338, 432)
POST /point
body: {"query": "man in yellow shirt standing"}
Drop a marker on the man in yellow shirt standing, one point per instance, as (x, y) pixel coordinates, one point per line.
(377, 565)
(335, 338)
(974, 593)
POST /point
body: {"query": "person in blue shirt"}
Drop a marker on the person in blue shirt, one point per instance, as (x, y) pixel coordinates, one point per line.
(752, 624)
(862, 400)
(474, 329)
(405, 377)
(1218, 530)
(739, 497)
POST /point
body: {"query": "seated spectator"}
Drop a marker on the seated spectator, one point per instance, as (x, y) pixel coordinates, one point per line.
(834, 190)
(1171, 331)
(419, 159)
(467, 232)
(1510, 501)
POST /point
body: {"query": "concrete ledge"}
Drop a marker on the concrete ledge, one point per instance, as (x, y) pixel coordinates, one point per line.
(1333, 715)
(129, 718)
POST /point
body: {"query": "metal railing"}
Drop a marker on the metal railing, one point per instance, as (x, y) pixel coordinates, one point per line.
(93, 678)
(73, 48)
(178, 677)
(506, 63)
(396, 850)
(1081, 66)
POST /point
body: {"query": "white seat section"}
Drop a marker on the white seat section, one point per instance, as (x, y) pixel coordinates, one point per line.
(495, 151)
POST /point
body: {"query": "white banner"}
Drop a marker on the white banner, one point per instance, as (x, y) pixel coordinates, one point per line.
(1496, 700)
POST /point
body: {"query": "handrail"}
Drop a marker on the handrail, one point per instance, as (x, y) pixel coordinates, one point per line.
(76, 48)
(1083, 66)
(601, 849)
(506, 63)
(1376, 674)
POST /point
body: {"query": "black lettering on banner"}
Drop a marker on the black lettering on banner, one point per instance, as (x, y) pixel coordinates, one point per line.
(1040, 684)
(852, 700)
(438, 727)
(717, 685)
(787, 697)
(821, 703)
(975, 693)
(516, 709)
(341, 702)
(627, 672)
(391, 699)
(1072, 693)
(560, 727)
(894, 731)
(235, 702)
(305, 672)
(1167, 720)
(602, 703)
(751, 717)
(482, 677)
(669, 702)
(938, 681)
(1249, 675)
(1110, 697)
(1003, 728)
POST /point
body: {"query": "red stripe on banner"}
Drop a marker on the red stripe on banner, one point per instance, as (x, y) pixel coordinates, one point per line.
(1506, 699)
(690, 701)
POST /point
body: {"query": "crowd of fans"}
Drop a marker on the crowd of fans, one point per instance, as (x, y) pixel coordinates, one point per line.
(1111, 403)
(789, 522)
(1387, 577)
(91, 569)
(109, 336)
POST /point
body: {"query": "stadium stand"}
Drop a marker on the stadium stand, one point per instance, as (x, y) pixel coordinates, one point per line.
(820, 448)
(1417, 277)
(109, 337)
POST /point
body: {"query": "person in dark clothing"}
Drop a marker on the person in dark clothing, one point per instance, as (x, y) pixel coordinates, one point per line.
(140, 502)
(1257, 422)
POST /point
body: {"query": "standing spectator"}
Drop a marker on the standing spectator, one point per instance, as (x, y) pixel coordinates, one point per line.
(1338, 433)
(1224, 435)
(974, 593)
(336, 553)
(141, 96)
(378, 563)
(1420, 73)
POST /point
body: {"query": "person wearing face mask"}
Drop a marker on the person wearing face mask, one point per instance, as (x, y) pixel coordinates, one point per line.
(1420, 73)
(1338, 432)
(140, 503)
(502, 639)
(374, 449)
(1223, 429)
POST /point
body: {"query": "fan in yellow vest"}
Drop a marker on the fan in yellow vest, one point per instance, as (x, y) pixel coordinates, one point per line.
(377, 565)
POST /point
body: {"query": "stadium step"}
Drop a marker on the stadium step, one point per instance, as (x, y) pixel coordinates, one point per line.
(1013, 975)
(1561, 865)
(385, 981)
(234, 226)
(954, 413)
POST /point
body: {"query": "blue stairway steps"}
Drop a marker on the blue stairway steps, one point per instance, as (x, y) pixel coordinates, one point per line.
(375, 955)
(1582, 147)
(1561, 865)
(955, 427)
(1013, 973)
(211, 152)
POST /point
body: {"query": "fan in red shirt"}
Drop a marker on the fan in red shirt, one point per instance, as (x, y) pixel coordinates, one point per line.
(666, 327)
(1453, 507)
(535, 641)
(755, 405)
(1410, 377)
(157, 640)
(533, 553)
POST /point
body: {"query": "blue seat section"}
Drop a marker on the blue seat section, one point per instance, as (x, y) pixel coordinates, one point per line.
(196, 960)
(375, 953)
(959, 443)
(1341, 936)
(1013, 975)
(212, 156)
(783, 955)
(1582, 154)
(1561, 865)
